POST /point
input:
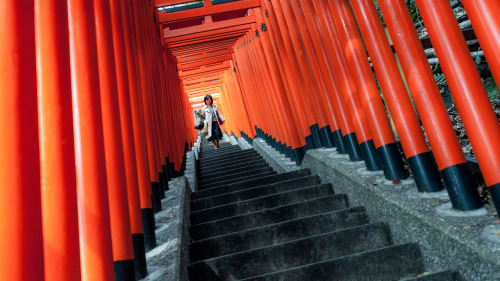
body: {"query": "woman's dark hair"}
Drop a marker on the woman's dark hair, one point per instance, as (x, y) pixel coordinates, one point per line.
(207, 97)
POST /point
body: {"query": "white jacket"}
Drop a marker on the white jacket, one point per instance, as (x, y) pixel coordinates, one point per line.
(205, 113)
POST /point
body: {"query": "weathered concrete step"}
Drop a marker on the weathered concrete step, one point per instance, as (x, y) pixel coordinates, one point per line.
(250, 171)
(213, 157)
(225, 163)
(447, 275)
(270, 216)
(292, 254)
(227, 154)
(249, 184)
(232, 169)
(227, 157)
(389, 263)
(221, 150)
(265, 190)
(209, 149)
(226, 182)
(262, 203)
(277, 233)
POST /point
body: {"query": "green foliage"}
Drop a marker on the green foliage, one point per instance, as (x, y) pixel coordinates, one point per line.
(412, 8)
(491, 88)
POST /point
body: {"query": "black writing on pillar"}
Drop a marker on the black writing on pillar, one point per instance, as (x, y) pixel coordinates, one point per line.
(234, 69)
(263, 27)
(257, 33)
(267, 13)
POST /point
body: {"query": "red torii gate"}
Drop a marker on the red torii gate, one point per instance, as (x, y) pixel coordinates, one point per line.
(94, 122)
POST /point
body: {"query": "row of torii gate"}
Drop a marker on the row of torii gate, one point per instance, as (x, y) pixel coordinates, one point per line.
(95, 121)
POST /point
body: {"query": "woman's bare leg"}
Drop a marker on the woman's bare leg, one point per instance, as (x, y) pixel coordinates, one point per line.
(214, 144)
(217, 142)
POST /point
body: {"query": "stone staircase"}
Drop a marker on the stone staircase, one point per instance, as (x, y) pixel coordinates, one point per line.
(249, 223)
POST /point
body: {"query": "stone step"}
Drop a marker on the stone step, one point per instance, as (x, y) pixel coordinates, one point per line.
(240, 179)
(262, 203)
(226, 158)
(446, 275)
(389, 263)
(228, 164)
(270, 216)
(249, 184)
(209, 149)
(223, 149)
(217, 156)
(264, 190)
(234, 176)
(277, 233)
(226, 154)
(230, 170)
(292, 254)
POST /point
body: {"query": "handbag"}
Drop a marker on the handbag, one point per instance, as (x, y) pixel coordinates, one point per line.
(199, 125)
(220, 118)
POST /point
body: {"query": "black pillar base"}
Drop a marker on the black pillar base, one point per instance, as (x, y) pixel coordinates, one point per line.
(495, 196)
(353, 148)
(370, 156)
(280, 147)
(309, 143)
(148, 225)
(339, 142)
(391, 161)
(327, 136)
(425, 172)
(461, 188)
(161, 186)
(155, 197)
(165, 176)
(167, 166)
(290, 154)
(124, 270)
(316, 136)
(299, 155)
(141, 269)
(172, 169)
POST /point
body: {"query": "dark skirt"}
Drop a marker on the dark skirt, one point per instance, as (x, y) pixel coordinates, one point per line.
(216, 132)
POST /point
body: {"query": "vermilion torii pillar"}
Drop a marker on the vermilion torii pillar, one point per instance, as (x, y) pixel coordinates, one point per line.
(484, 18)
(412, 139)
(57, 147)
(292, 84)
(130, 160)
(264, 47)
(21, 242)
(341, 20)
(147, 110)
(332, 59)
(446, 149)
(121, 234)
(467, 89)
(138, 129)
(94, 222)
(289, 65)
(312, 76)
